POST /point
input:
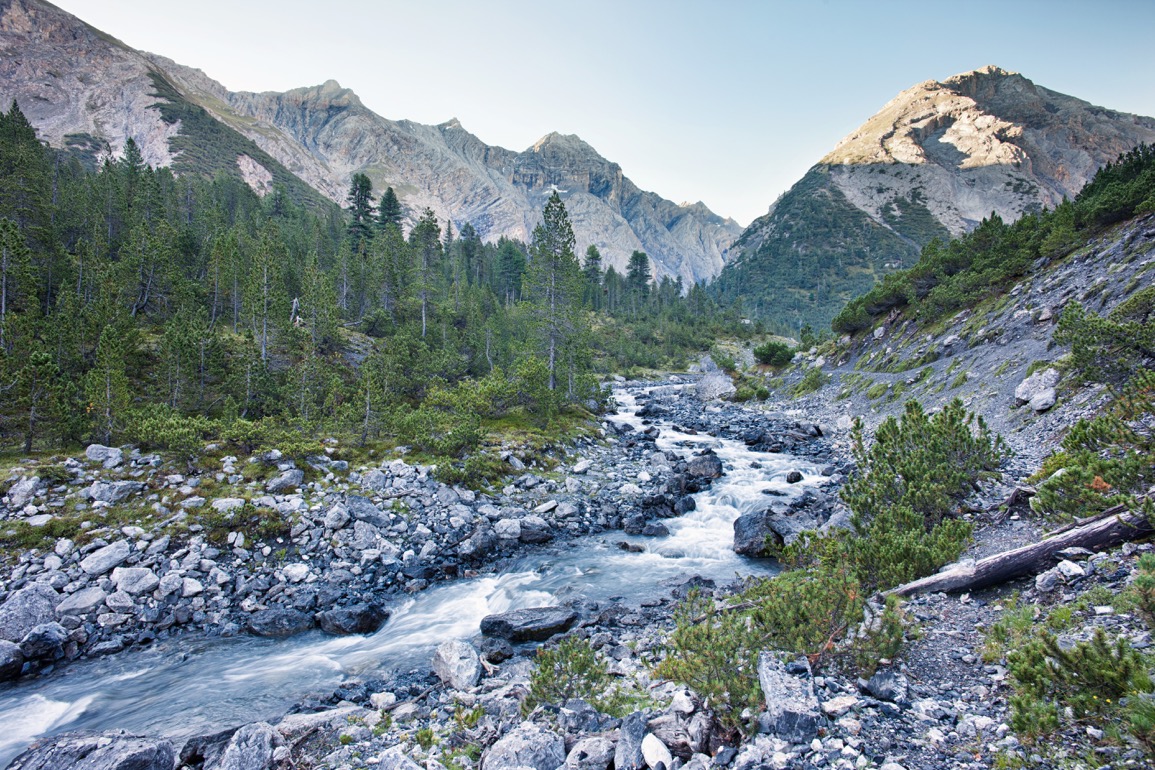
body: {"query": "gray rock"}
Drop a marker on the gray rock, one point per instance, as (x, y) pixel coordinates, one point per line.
(227, 504)
(375, 480)
(792, 712)
(113, 491)
(99, 751)
(888, 685)
(478, 544)
(456, 663)
(26, 609)
(135, 580)
(534, 529)
(290, 479)
(119, 601)
(358, 619)
(507, 529)
(362, 509)
(529, 625)
(1043, 400)
(279, 622)
(1036, 384)
(82, 602)
(594, 753)
(753, 534)
(337, 517)
(110, 457)
(628, 754)
(45, 642)
(104, 559)
(11, 660)
(655, 752)
(527, 746)
(251, 748)
(22, 492)
(705, 466)
(395, 759)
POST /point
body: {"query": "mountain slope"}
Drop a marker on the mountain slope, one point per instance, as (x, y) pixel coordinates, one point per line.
(935, 161)
(85, 90)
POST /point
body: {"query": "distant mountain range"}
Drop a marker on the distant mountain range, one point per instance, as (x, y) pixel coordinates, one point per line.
(86, 91)
(935, 161)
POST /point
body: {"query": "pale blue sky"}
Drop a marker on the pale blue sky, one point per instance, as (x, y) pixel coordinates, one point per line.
(728, 102)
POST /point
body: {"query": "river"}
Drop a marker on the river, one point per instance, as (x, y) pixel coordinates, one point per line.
(190, 686)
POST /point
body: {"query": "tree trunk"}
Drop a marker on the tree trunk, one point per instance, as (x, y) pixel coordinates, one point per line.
(1110, 528)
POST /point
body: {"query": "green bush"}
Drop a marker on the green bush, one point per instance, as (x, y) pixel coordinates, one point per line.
(773, 353)
(572, 669)
(814, 379)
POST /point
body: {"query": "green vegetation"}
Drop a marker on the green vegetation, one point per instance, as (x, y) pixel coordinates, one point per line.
(572, 669)
(814, 379)
(987, 261)
(904, 507)
(774, 353)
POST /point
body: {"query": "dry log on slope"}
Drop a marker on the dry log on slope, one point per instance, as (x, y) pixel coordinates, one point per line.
(1112, 527)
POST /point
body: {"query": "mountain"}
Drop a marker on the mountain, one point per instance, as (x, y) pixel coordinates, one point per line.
(932, 163)
(88, 92)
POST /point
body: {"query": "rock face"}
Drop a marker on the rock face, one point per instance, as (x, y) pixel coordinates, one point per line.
(83, 89)
(933, 162)
(97, 752)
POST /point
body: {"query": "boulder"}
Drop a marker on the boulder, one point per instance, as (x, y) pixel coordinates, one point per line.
(135, 580)
(45, 642)
(279, 622)
(792, 711)
(227, 504)
(1043, 400)
(507, 529)
(395, 759)
(21, 493)
(26, 609)
(534, 529)
(478, 544)
(375, 480)
(362, 509)
(286, 480)
(457, 665)
(528, 746)
(251, 748)
(337, 517)
(357, 619)
(104, 559)
(11, 660)
(655, 752)
(753, 534)
(109, 457)
(113, 491)
(529, 625)
(82, 602)
(97, 751)
(888, 685)
(594, 753)
(1037, 383)
(628, 753)
(705, 466)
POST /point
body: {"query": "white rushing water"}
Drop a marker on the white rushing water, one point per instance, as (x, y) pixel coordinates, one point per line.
(196, 685)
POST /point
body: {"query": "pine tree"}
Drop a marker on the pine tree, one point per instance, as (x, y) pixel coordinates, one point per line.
(426, 242)
(360, 209)
(37, 388)
(592, 272)
(554, 284)
(107, 385)
(389, 212)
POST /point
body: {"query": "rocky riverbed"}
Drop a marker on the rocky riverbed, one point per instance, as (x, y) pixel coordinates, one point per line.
(353, 553)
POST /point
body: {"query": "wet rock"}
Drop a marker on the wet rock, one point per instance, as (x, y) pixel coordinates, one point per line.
(529, 625)
(594, 753)
(793, 477)
(457, 665)
(26, 609)
(97, 751)
(357, 619)
(528, 746)
(534, 529)
(478, 544)
(104, 559)
(496, 650)
(135, 580)
(45, 642)
(753, 534)
(792, 710)
(655, 529)
(290, 479)
(279, 622)
(11, 660)
(705, 466)
(251, 748)
(628, 753)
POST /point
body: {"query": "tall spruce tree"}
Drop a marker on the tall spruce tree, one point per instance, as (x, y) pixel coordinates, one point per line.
(553, 284)
(360, 199)
(389, 210)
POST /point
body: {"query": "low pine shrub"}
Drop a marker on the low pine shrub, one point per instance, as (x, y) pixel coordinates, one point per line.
(773, 353)
(572, 669)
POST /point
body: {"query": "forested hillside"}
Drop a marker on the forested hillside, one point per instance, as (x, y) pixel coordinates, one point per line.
(130, 297)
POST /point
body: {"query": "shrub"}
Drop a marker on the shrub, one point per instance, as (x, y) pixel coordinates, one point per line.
(572, 669)
(772, 353)
(814, 379)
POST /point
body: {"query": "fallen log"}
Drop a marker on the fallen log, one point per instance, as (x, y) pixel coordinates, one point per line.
(1110, 528)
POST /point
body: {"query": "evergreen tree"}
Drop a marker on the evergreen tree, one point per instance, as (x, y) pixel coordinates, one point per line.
(592, 272)
(38, 387)
(107, 385)
(426, 242)
(389, 211)
(360, 210)
(554, 284)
